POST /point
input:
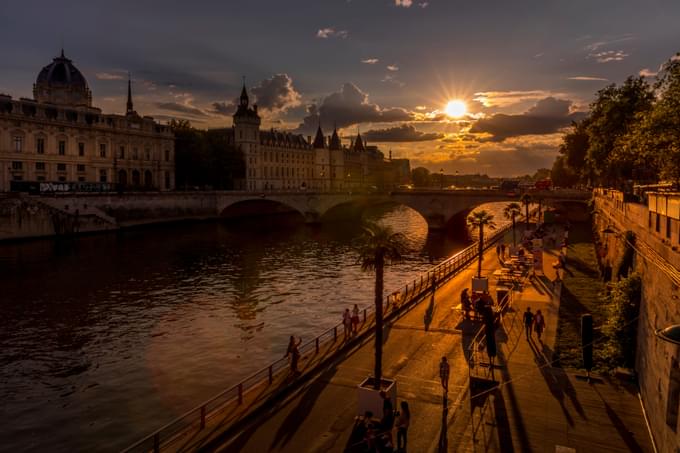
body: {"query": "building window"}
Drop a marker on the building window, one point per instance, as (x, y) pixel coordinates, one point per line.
(40, 145)
(62, 147)
(135, 154)
(61, 179)
(81, 149)
(102, 150)
(81, 178)
(61, 167)
(121, 154)
(18, 143)
(40, 166)
(658, 222)
(16, 165)
(668, 227)
(167, 155)
(167, 179)
(147, 154)
(102, 175)
(80, 168)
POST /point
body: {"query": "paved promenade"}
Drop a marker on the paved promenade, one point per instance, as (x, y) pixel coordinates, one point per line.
(536, 408)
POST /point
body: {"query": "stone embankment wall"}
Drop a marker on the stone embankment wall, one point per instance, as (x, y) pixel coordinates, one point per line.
(657, 260)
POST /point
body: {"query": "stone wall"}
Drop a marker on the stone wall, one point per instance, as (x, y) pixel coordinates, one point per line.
(657, 360)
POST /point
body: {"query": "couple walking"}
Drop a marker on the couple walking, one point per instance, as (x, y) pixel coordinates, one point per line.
(350, 321)
(535, 321)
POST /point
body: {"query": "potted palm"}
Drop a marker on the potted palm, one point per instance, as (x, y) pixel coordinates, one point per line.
(479, 220)
(511, 211)
(380, 246)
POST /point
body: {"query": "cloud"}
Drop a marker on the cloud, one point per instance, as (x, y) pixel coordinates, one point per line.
(350, 106)
(181, 108)
(403, 3)
(507, 98)
(547, 116)
(402, 133)
(588, 78)
(608, 55)
(592, 47)
(370, 61)
(325, 33)
(224, 108)
(392, 67)
(109, 76)
(276, 93)
(646, 72)
(423, 4)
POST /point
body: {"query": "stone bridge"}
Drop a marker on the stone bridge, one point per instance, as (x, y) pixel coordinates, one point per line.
(110, 211)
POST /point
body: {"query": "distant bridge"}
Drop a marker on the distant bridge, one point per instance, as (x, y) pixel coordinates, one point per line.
(437, 207)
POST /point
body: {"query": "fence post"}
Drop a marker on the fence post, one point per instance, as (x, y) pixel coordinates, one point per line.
(240, 393)
(202, 417)
(335, 333)
(271, 374)
(316, 343)
(157, 443)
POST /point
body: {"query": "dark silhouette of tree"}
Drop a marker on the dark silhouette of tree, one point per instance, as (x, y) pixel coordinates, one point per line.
(526, 202)
(380, 246)
(511, 211)
(481, 219)
(420, 177)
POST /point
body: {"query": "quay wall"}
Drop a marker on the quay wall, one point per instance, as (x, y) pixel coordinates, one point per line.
(657, 240)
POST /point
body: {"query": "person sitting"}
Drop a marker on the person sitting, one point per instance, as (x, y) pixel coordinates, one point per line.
(465, 303)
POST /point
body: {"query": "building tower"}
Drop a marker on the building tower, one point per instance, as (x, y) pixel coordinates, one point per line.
(129, 110)
(322, 160)
(338, 177)
(247, 138)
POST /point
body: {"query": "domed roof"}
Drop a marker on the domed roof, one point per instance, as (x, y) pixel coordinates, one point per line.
(61, 82)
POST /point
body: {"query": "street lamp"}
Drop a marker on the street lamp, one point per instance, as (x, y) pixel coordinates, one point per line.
(671, 333)
(441, 179)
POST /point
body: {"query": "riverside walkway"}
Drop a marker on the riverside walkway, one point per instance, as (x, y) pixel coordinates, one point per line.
(536, 408)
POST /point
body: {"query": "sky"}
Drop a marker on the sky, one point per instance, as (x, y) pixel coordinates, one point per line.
(387, 68)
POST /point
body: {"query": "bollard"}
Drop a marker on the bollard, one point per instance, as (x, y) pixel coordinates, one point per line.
(157, 443)
(271, 373)
(202, 417)
(240, 393)
(317, 344)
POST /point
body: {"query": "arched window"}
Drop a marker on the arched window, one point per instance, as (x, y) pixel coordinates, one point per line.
(122, 178)
(148, 179)
(136, 178)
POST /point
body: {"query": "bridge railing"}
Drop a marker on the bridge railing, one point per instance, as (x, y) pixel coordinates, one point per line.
(410, 294)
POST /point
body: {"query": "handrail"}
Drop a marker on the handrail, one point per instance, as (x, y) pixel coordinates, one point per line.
(199, 414)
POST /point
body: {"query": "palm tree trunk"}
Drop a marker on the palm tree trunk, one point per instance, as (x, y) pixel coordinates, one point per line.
(514, 241)
(481, 250)
(379, 269)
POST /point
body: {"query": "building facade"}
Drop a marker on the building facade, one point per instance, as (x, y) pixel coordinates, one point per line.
(59, 137)
(284, 161)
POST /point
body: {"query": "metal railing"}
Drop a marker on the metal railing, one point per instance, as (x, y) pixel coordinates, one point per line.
(413, 292)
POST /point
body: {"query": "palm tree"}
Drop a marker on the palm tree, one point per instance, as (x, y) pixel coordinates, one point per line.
(380, 247)
(480, 219)
(526, 201)
(511, 211)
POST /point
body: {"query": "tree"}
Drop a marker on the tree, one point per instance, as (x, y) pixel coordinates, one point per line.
(526, 202)
(481, 219)
(420, 177)
(562, 175)
(573, 150)
(380, 246)
(511, 211)
(541, 173)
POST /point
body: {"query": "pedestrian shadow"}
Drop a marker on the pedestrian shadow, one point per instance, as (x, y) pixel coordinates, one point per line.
(620, 426)
(551, 381)
(443, 445)
(429, 314)
(503, 429)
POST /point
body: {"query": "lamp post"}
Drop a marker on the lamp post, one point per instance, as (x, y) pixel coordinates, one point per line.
(671, 333)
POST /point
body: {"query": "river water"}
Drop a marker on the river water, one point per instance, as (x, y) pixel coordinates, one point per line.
(108, 337)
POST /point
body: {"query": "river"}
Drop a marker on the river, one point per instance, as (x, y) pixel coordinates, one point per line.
(107, 337)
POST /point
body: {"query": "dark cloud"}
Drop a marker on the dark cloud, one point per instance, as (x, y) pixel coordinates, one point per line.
(224, 108)
(349, 106)
(180, 108)
(276, 93)
(403, 133)
(547, 116)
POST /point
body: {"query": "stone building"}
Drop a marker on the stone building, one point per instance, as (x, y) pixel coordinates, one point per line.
(59, 137)
(284, 161)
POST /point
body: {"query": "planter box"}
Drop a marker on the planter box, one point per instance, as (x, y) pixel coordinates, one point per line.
(369, 399)
(480, 284)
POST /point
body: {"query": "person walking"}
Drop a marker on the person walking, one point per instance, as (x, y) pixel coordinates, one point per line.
(528, 322)
(539, 324)
(444, 370)
(294, 353)
(403, 422)
(347, 323)
(355, 319)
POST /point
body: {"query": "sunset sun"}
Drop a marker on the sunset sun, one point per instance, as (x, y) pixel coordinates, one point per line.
(455, 108)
